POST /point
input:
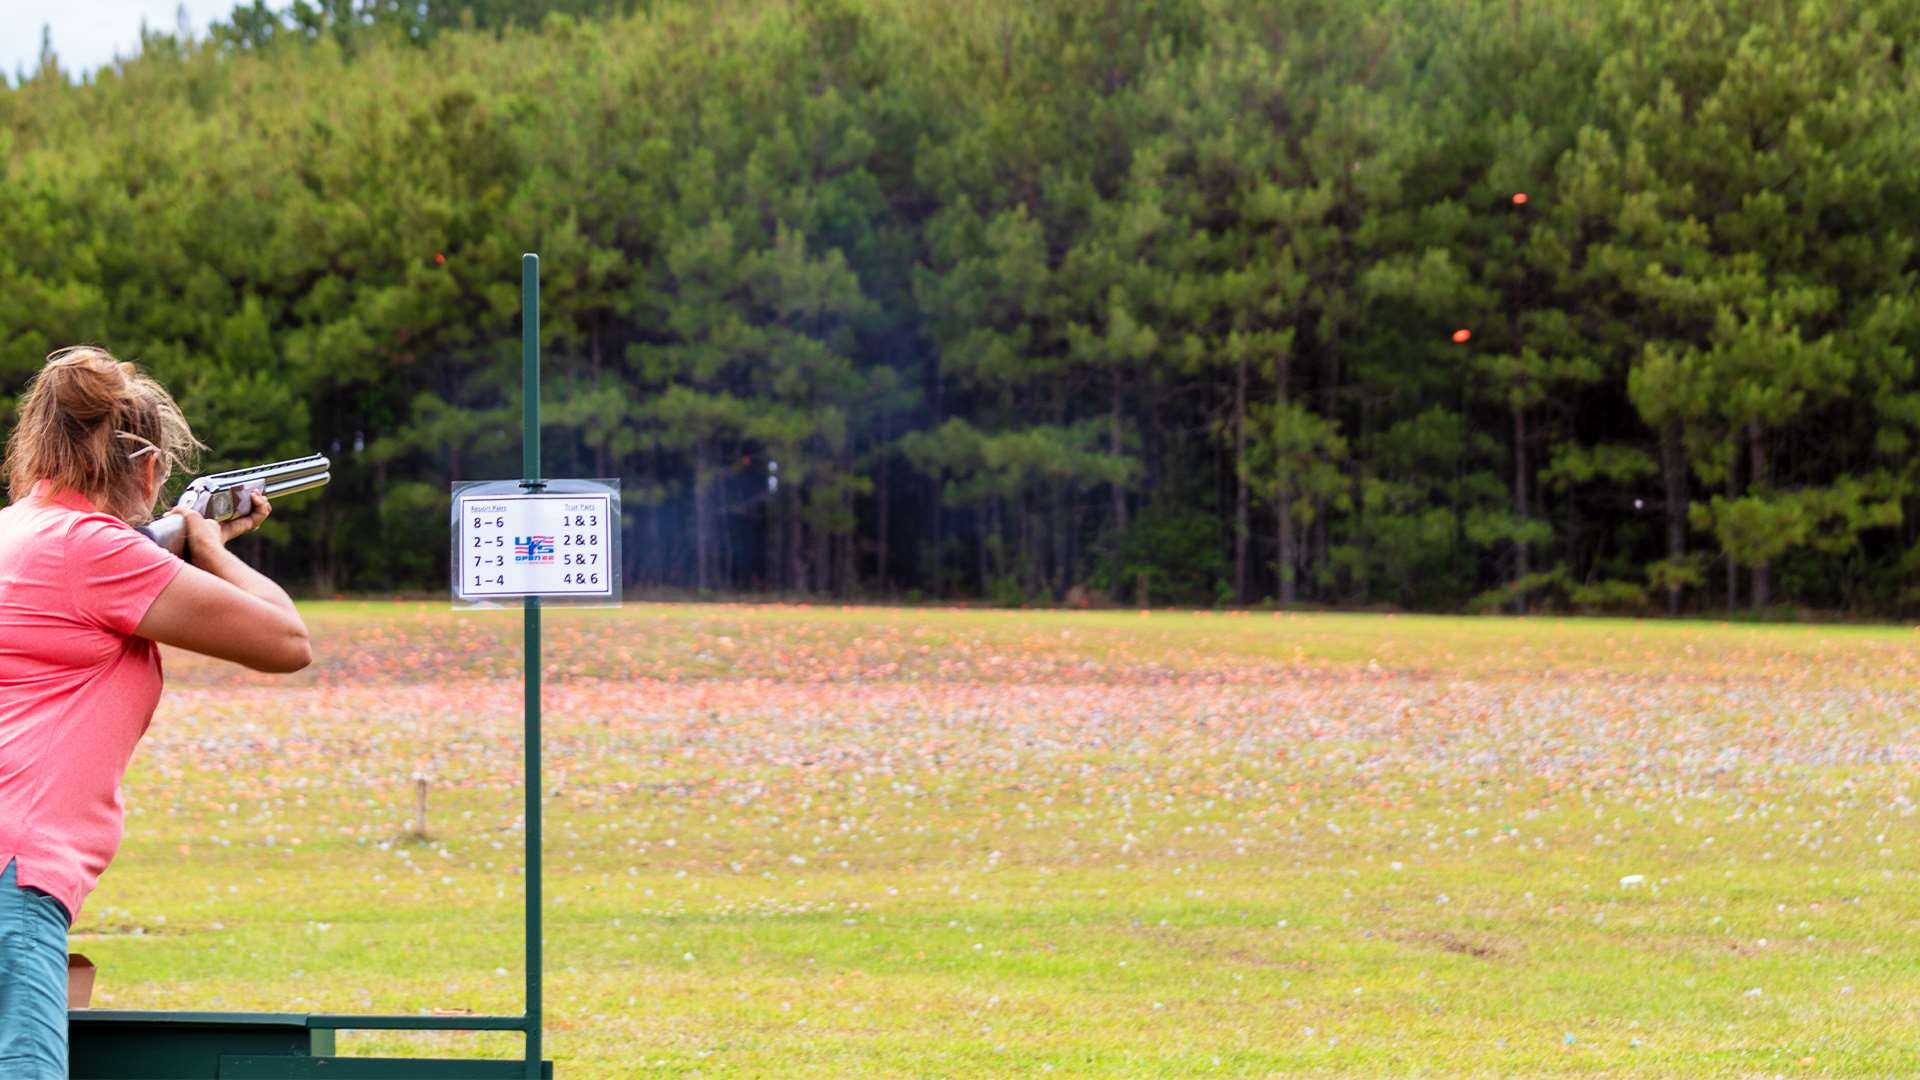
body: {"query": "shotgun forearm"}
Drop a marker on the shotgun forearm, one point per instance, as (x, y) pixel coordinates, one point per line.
(225, 496)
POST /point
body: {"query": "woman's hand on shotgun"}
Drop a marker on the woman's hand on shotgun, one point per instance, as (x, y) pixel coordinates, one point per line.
(224, 608)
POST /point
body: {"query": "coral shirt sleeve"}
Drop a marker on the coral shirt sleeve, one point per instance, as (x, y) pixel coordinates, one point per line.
(115, 573)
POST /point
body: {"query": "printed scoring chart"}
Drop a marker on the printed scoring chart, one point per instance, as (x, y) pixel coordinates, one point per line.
(535, 545)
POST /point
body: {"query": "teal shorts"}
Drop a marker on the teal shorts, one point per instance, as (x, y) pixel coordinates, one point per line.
(33, 982)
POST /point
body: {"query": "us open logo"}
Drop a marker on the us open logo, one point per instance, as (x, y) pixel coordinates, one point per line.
(533, 549)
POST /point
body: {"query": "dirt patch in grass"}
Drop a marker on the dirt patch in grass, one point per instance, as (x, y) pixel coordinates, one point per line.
(1446, 941)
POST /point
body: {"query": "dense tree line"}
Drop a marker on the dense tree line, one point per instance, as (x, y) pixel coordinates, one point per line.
(1493, 303)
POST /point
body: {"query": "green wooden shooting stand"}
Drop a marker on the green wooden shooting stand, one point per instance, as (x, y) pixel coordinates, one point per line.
(110, 1044)
(125, 1045)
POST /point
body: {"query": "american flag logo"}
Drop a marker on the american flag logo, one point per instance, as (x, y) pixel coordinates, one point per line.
(533, 549)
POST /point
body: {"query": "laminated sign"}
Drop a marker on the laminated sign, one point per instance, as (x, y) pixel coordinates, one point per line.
(561, 542)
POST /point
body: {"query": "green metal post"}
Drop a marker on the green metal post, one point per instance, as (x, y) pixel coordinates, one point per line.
(531, 481)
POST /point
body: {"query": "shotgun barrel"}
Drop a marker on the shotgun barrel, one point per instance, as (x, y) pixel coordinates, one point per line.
(228, 495)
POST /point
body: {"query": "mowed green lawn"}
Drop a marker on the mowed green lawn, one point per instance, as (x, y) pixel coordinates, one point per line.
(792, 842)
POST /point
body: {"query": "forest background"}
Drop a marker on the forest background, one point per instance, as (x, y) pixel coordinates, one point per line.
(1033, 301)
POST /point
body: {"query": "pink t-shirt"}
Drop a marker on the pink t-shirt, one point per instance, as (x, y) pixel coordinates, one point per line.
(77, 689)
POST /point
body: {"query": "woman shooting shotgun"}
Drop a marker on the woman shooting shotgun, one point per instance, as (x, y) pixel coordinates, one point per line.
(83, 601)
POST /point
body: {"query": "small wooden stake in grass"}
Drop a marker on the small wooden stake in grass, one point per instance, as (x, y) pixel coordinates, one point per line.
(420, 805)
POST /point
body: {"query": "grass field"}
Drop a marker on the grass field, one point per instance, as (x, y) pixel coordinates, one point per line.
(792, 842)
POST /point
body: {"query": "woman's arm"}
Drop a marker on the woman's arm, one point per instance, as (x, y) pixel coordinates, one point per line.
(220, 606)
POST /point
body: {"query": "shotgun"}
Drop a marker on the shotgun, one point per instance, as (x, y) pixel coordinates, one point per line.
(225, 496)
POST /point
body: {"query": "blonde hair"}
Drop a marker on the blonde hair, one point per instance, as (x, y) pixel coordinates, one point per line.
(85, 422)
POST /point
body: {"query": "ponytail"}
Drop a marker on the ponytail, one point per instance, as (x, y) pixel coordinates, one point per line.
(87, 422)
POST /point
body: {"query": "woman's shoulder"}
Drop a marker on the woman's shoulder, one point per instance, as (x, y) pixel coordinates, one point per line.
(52, 519)
(92, 533)
(75, 531)
(109, 572)
(97, 523)
(38, 520)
